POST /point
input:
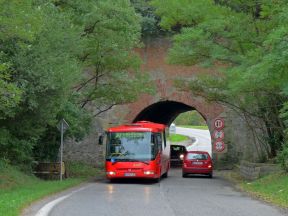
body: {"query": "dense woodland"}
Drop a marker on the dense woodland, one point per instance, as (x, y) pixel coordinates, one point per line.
(57, 57)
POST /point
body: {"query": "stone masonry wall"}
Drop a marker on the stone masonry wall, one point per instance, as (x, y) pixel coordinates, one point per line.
(241, 142)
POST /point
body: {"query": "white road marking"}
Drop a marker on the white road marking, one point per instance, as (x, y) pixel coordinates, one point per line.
(194, 144)
(46, 209)
(202, 139)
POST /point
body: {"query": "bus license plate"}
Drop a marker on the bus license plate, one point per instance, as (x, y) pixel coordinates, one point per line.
(129, 174)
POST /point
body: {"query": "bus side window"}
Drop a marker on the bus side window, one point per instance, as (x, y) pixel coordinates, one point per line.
(164, 139)
(159, 141)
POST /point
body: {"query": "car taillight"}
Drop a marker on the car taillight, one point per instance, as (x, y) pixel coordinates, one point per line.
(148, 172)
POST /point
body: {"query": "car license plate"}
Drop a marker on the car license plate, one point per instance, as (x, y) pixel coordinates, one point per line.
(129, 174)
(198, 163)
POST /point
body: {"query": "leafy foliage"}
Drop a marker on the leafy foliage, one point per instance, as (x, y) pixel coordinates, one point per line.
(149, 20)
(111, 29)
(190, 118)
(10, 94)
(57, 57)
(283, 157)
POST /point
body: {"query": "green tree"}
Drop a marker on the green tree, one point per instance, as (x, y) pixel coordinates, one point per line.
(14, 32)
(111, 30)
(56, 58)
(10, 94)
(44, 68)
(149, 20)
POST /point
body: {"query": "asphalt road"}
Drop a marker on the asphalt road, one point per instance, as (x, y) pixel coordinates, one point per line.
(203, 139)
(174, 196)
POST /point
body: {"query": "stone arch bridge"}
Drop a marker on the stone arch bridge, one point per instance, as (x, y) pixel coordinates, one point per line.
(165, 106)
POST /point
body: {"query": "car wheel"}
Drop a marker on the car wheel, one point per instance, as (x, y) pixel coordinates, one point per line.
(157, 180)
(165, 175)
(184, 175)
(210, 175)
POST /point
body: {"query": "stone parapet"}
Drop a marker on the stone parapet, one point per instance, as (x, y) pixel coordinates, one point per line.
(253, 171)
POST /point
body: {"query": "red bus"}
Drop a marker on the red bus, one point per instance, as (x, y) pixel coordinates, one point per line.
(137, 150)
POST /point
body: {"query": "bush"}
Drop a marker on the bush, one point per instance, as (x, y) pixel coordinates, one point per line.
(283, 157)
(14, 150)
(81, 170)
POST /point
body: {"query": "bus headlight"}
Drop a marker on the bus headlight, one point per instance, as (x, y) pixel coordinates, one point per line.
(111, 173)
(148, 172)
(181, 156)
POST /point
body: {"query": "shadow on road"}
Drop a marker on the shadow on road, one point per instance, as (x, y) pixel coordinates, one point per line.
(132, 181)
(197, 176)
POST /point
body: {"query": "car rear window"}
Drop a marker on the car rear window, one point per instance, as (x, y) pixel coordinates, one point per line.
(197, 156)
(178, 148)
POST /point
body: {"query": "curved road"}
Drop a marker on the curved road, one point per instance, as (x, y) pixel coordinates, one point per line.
(203, 139)
(174, 196)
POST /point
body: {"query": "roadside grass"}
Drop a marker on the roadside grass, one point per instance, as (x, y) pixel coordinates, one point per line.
(272, 188)
(177, 138)
(82, 170)
(18, 190)
(201, 127)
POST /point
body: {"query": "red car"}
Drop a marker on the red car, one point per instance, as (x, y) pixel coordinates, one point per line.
(197, 162)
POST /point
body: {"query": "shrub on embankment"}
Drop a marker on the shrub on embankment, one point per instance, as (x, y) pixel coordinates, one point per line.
(283, 157)
(272, 188)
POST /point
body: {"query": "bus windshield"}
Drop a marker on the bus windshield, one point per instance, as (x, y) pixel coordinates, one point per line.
(131, 146)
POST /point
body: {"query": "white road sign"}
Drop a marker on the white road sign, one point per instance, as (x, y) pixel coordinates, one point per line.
(219, 124)
(63, 124)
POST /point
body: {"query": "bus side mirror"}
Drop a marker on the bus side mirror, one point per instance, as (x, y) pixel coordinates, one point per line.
(100, 140)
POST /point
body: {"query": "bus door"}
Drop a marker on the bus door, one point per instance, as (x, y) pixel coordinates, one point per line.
(161, 146)
(166, 153)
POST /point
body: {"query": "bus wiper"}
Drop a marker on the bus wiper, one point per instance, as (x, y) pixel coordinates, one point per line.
(135, 160)
(128, 160)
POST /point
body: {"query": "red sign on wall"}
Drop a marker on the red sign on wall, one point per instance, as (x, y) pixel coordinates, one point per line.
(219, 146)
(218, 134)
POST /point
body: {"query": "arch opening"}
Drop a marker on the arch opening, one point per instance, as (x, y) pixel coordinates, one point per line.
(163, 112)
(166, 112)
